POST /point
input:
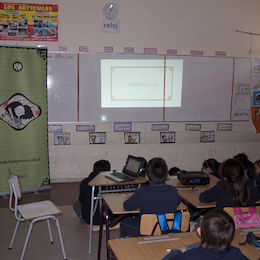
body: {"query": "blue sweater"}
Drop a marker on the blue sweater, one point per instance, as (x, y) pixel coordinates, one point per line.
(154, 199)
(220, 194)
(202, 254)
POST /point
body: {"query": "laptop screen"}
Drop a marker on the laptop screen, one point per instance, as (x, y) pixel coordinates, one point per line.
(133, 165)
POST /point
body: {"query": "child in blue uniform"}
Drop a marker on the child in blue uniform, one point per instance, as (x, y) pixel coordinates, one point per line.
(233, 190)
(216, 232)
(155, 198)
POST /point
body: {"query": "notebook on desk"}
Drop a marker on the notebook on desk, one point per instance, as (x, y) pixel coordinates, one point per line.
(130, 171)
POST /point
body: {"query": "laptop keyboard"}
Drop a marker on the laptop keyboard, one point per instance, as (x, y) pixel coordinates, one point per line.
(121, 176)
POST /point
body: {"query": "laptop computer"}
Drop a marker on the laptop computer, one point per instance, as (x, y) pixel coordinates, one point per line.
(130, 172)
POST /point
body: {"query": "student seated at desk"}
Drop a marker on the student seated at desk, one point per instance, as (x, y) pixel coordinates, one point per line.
(257, 171)
(173, 171)
(155, 198)
(211, 166)
(82, 206)
(249, 169)
(216, 232)
(233, 190)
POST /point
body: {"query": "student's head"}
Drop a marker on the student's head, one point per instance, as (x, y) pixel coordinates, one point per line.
(143, 169)
(101, 165)
(216, 230)
(248, 165)
(232, 170)
(210, 165)
(173, 171)
(257, 167)
(157, 170)
(242, 157)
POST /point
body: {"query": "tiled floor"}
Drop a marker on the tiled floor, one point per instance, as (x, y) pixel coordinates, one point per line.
(75, 234)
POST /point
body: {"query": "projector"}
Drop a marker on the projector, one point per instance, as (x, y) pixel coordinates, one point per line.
(193, 178)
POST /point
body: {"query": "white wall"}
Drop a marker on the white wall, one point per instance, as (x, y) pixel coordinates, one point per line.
(184, 25)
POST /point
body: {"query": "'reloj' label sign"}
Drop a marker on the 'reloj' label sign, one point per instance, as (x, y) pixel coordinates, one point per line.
(110, 26)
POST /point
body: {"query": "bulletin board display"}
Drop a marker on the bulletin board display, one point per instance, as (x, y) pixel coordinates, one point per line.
(187, 89)
(28, 22)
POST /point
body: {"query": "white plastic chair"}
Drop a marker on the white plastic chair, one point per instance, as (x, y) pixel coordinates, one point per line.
(31, 213)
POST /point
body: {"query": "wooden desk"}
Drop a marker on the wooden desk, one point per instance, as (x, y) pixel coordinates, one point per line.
(114, 202)
(98, 181)
(190, 195)
(140, 248)
(102, 180)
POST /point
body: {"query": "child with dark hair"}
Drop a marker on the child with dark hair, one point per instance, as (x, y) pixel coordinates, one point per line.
(173, 171)
(216, 232)
(82, 206)
(155, 198)
(249, 169)
(211, 166)
(257, 172)
(233, 190)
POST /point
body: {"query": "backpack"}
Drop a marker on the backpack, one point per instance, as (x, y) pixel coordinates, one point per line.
(252, 240)
(246, 220)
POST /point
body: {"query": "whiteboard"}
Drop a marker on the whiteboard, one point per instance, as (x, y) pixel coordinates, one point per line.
(62, 86)
(206, 91)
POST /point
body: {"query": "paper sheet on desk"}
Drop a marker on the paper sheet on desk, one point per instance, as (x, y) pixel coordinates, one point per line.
(245, 231)
(157, 239)
(199, 190)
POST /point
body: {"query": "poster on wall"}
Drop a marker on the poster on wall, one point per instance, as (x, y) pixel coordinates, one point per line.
(167, 137)
(132, 137)
(255, 115)
(62, 138)
(28, 22)
(23, 117)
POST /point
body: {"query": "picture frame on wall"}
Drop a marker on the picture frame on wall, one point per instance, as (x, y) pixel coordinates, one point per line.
(62, 138)
(207, 136)
(167, 137)
(97, 138)
(132, 137)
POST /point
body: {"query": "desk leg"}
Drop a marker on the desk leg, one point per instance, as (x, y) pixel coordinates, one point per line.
(188, 208)
(100, 231)
(107, 230)
(103, 208)
(91, 219)
(198, 214)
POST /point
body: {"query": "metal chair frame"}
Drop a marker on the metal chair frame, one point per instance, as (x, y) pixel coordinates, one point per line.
(15, 195)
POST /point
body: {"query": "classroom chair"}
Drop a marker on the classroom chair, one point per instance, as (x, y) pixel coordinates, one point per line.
(149, 224)
(31, 213)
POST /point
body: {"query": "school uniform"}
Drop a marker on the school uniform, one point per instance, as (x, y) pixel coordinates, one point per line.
(220, 193)
(151, 199)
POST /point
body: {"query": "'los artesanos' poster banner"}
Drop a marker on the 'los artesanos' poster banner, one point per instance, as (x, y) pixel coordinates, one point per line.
(28, 22)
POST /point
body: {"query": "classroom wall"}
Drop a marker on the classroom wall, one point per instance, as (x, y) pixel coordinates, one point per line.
(182, 25)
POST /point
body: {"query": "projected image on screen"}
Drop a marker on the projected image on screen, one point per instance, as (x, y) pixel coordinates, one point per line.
(141, 83)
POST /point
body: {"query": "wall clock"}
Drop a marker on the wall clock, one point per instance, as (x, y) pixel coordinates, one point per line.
(110, 11)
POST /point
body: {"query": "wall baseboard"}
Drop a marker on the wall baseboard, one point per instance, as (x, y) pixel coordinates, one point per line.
(61, 180)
